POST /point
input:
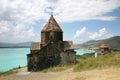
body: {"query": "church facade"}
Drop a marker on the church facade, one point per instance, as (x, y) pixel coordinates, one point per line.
(52, 50)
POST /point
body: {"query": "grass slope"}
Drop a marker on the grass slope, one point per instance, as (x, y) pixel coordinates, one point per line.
(104, 61)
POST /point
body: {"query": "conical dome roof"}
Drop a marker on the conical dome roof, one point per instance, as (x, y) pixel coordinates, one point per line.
(51, 25)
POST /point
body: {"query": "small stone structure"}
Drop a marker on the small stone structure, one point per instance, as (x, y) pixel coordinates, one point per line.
(104, 49)
(52, 50)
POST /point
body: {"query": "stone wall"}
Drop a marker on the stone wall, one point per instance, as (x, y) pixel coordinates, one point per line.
(68, 57)
(46, 57)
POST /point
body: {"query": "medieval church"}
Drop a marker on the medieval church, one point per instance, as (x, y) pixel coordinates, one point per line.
(52, 50)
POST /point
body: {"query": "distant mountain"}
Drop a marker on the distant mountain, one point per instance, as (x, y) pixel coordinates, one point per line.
(113, 43)
(15, 45)
(27, 44)
(90, 42)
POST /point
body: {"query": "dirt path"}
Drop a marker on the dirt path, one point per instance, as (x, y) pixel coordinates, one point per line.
(104, 74)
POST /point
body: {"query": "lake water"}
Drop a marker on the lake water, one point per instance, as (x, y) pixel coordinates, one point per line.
(13, 57)
(81, 52)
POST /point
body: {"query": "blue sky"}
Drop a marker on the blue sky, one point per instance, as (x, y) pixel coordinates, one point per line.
(81, 20)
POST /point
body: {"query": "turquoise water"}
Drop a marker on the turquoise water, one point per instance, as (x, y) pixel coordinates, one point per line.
(13, 57)
(81, 52)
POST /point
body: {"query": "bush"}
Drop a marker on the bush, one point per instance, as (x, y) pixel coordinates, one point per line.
(85, 56)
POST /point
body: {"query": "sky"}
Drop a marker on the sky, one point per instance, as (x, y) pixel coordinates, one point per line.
(80, 20)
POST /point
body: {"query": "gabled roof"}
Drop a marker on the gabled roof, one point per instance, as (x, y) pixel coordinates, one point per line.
(104, 46)
(35, 46)
(51, 25)
(68, 45)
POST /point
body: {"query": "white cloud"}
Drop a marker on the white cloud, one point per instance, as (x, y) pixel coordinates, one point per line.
(80, 32)
(101, 34)
(19, 33)
(28, 11)
(14, 13)
(86, 35)
(86, 9)
(4, 27)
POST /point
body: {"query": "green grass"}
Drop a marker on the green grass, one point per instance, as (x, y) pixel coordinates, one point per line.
(12, 71)
(85, 56)
(57, 68)
(104, 61)
(7, 73)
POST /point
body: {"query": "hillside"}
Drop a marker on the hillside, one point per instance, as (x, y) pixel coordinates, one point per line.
(101, 62)
(113, 43)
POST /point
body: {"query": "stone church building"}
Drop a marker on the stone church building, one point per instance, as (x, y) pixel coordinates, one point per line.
(52, 50)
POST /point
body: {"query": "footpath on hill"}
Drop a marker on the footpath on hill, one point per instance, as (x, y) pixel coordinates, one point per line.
(68, 74)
